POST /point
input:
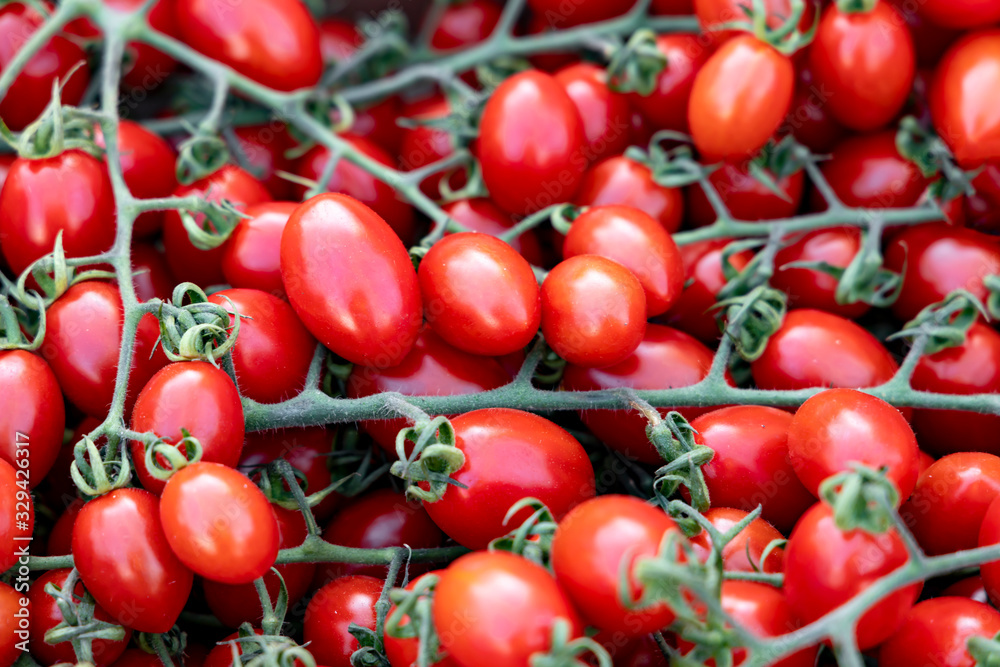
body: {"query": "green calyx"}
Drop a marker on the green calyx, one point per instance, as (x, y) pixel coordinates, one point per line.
(97, 471)
(533, 538)
(636, 65)
(163, 458)
(415, 607)
(670, 160)
(565, 651)
(861, 498)
(78, 625)
(786, 38)
(432, 460)
(674, 440)
(945, 324)
(54, 273)
(193, 328)
(923, 147)
(15, 321)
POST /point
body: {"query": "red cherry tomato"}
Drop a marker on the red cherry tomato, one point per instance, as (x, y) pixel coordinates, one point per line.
(30, 218)
(593, 311)
(332, 610)
(17, 514)
(605, 114)
(15, 612)
(868, 171)
(712, 13)
(151, 276)
(937, 631)
(264, 147)
(739, 98)
(273, 42)
(377, 123)
(751, 465)
(350, 280)
(126, 563)
(970, 587)
(482, 215)
(809, 119)
(745, 197)
(34, 417)
(218, 523)
(619, 180)
(192, 396)
(423, 145)
(666, 107)
(551, 61)
(61, 538)
(551, 466)
(222, 654)
(809, 288)
(403, 652)
(578, 12)
(338, 39)
(507, 606)
(252, 255)
(964, 14)
(530, 161)
(989, 533)
(825, 567)
(465, 24)
(745, 552)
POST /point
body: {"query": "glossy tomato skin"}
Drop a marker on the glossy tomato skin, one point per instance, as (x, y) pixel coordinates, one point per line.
(964, 14)
(273, 42)
(17, 514)
(866, 60)
(745, 197)
(482, 215)
(605, 113)
(30, 219)
(31, 90)
(46, 615)
(252, 255)
(465, 24)
(751, 465)
(151, 276)
(194, 396)
(338, 39)
(221, 654)
(619, 180)
(61, 538)
(34, 408)
(332, 610)
(431, 368)
(13, 608)
(868, 171)
(838, 427)
(593, 311)
(203, 267)
(712, 13)
(666, 107)
(989, 533)
(745, 552)
(423, 145)
(825, 567)
(273, 350)
(938, 631)
(508, 604)
(264, 147)
(479, 294)
(588, 552)
(350, 280)
(963, 114)
(124, 560)
(218, 523)
(809, 288)
(664, 359)
(509, 455)
(82, 343)
(970, 587)
(739, 98)
(530, 161)
(636, 241)
(818, 349)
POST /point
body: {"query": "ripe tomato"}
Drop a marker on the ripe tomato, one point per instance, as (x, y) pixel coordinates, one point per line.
(31, 90)
(479, 294)
(666, 107)
(619, 180)
(636, 241)
(970, 587)
(15, 615)
(739, 98)
(809, 119)
(423, 145)
(264, 147)
(45, 615)
(82, 341)
(868, 171)
(482, 215)
(561, 15)
(745, 196)
(963, 115)
(30, 218)
(498, 609)
(509, 455)
(809, 288)
(61, 538)
(665, 358)
(530, 161)
(593, 311)
(273, 350)
(381, 518)
(240, 603)
(350, 280)
(989, 533)
(838, 427)
(34, 417)
(936, 259)
(817, 349)
(332, 610)
(222, 654)
(465, 24)
(203, 267)
(126, 563)
(751, 465)
(866, 61)
(350, 179)
(17, 515)
(605, 114)
(194, 396)
(273, 42)
(970, 368)
(151, 276)
(218, 523)
(431, 368)
(251, 256)
(403, 652)
(588, 554)
(825, 567)
(338, 39)
(377, 122)
(963, 14)
(745, 552)
(712, 13)
(937, 631)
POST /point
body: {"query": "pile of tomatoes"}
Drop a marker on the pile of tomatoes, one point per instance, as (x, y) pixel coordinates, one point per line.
(226, 308)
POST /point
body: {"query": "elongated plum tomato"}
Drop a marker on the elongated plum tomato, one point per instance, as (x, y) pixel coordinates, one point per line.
(838, 427)
(745, 196)
(482, 215)
(530, 161)
(507, 606)
(745, 552)
(218, 523)
(509, 455)
(17, 514)
(864, 61)
(619, 180)
(273, 42)
(332, 610)
(593, 311)
(825, 567)
(126, 563)
(605, 113)
(963, 111)
(192, 396)
(637, 242)
(34, 417)
(868, 171)
(589, 551)
(252, 255)
(12, 606)
(350, 280)
(31, 218)
(666, 107)
(739, 98)
(479, 294)
(937, 632)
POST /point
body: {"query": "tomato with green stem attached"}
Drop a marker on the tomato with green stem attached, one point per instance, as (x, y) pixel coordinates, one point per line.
(252, 255)
(938, 631)
(745, 552)
(625, 182)
(605, 113)
(332, 610)
(746, 197)
(666, 107)
(811, 288)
